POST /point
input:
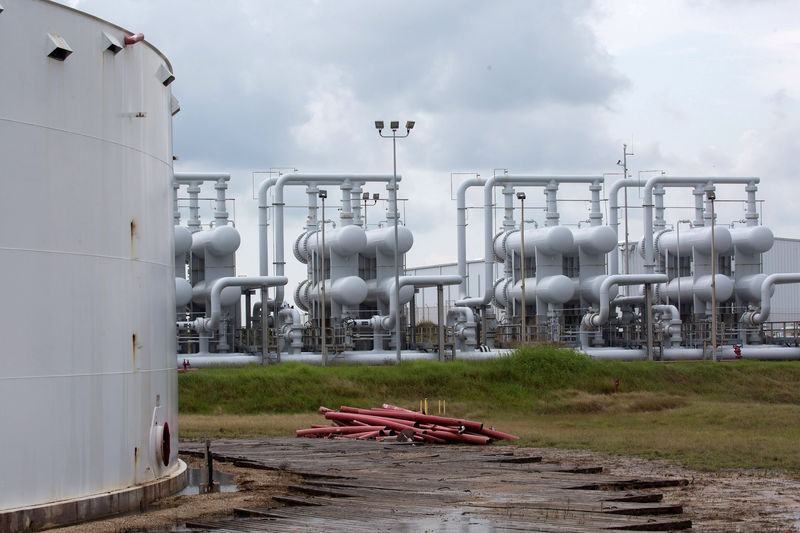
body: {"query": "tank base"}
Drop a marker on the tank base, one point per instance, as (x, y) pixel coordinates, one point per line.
(105, 504)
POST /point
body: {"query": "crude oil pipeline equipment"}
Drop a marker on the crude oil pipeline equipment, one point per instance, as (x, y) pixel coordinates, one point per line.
(697, 291)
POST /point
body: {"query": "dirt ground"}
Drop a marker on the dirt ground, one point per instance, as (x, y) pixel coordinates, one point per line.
(717, 502)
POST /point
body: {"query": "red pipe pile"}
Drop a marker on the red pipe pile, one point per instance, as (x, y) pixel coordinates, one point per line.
(389, 422)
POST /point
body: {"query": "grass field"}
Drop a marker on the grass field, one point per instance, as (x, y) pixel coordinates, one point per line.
(742, 415)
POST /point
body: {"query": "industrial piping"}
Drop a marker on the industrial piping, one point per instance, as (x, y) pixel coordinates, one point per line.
(461, 229)
(387, 322)
(211, 323)
(649, 252)
(591, 320)
(754, 318)
(552, 217)
(279, 184)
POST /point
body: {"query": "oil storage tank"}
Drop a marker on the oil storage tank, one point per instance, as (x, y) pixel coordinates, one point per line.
(88, 389)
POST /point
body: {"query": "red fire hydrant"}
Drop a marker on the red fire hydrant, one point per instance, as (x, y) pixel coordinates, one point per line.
(737, 350)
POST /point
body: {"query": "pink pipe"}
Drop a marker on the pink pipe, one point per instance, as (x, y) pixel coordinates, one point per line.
(464, 437)
(417, 417)
(375, 420)
(366, 435)
(337, 430)
(133, 39)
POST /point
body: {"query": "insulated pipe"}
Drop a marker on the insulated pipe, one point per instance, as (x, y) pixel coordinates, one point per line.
(346, 214)
(591, 320)
(210, 323)
(194, 206)
(647, 203)
(355, 200)
(488, 246)
(220, 214)
(279, 184)
(596, 215)
(658, 195)
(294, 324)
(752, 214)
(673, 328)
(613, 216)
(388, 322)
(461, 229)
(754, 318)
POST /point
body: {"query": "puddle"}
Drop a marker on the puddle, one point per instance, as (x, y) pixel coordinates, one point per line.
(199, 476)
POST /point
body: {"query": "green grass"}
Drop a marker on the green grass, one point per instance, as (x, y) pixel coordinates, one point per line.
(741, 414)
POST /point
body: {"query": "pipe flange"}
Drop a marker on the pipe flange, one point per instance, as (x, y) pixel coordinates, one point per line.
(657, 241)
(301, 295)
(503, 235)
(300, 248)
(494, 291)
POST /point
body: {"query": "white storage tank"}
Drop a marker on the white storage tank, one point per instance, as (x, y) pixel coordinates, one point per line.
(88, 387)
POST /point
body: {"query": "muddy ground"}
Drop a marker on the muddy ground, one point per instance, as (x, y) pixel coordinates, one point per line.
(723, 502)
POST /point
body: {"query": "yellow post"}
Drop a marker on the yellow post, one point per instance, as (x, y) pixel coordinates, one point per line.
(426, 406)
(444, 407)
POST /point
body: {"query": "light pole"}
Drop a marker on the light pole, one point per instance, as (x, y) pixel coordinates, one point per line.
(322, 195)
(711, 195)
(521, 197)
(394, 126)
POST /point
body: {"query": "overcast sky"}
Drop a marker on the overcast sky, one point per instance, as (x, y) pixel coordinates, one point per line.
(694, 87)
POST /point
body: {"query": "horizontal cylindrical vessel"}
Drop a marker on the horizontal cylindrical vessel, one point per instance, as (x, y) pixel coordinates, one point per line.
(346, 240)
(220, 241)
(550, 240)
(382, 239)
(699, 238)
(753, 239)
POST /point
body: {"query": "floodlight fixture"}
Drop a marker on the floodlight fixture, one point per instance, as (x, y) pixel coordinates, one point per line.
(365, 196)
(521, 196)
(394, 125)
(711, 195)
(410, 124)
(323, 193)
(376, 196)
(379, 124)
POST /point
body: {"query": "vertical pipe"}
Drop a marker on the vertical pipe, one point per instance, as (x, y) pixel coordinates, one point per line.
(522, 270)
(648, 310)
(346, 214)
(461, 230)
(596, 215)
(711, 197)
(551, 216)
(220, 214)
(440, 319)
(752, 215)
(658, 196)
(322, 303)
(698, 206)
(194, 206)
(355, 201)
(312, 222)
